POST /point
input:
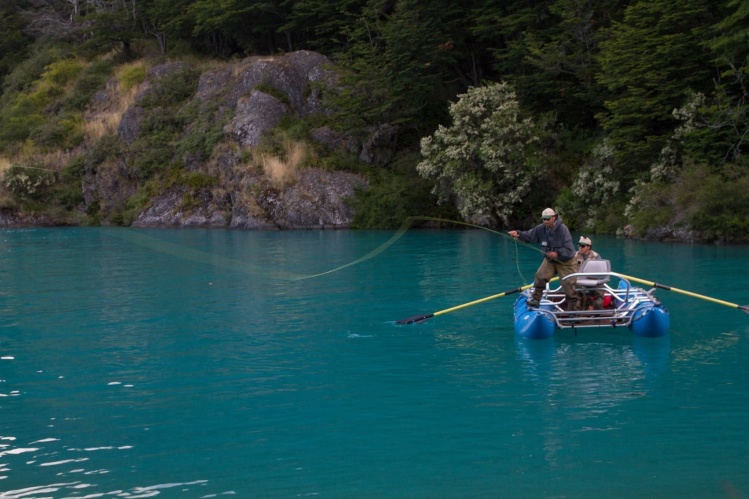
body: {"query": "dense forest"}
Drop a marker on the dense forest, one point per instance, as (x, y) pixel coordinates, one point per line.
(617, 113)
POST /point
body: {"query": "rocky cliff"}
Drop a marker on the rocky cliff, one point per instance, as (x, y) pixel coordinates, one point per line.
(250, 97)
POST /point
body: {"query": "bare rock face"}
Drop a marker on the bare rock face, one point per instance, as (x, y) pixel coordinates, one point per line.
(11, 218)
(129, 128)
(109, 186)
(315, 200)
(290, 75)
(255, 115)
(379, 147)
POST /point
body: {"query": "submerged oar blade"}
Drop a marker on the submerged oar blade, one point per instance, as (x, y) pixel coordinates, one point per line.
(416, 319)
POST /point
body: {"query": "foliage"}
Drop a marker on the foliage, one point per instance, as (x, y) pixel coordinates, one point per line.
(172, 89)
(399, 66)
(393, 196)
(92, 80)
(652, 57)
(131, 75)
(595, 186)
(48, 110)
(487, 159)
(163, 124)
(273, 91)
(654, 84)
(707, 202)
(28, 182)
(64, 131)
(556, 44)
(14, 43)
(206, 129)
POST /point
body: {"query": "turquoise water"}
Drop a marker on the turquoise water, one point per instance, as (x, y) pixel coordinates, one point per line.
(192, 363)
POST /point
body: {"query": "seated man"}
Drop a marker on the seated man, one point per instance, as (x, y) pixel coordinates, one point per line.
(585, 251)
(592, 300)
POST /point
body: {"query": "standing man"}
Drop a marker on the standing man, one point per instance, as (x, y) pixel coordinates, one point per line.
(559, 257)
(585, 251)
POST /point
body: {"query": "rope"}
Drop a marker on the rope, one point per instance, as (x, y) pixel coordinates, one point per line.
(202, 256)
(407, 224)
(517, 263)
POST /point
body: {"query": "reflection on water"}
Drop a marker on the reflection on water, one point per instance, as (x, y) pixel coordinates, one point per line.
(594, 374)
(580, 382)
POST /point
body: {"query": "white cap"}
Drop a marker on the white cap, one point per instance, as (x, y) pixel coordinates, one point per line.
(585, 240)
(547, 213)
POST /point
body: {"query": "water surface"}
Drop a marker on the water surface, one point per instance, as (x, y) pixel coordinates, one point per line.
(196, 363)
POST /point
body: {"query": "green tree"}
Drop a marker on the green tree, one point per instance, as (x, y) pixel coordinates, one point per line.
(486, 161)
(653, 58)
(113, 24)
(166, 21)
(401, 64)
(726, 120)
(323, 26)
(563, 61)
(239, 25)
(13, 43)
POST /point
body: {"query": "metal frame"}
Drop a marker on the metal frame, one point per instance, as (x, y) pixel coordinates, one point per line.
(627, 300)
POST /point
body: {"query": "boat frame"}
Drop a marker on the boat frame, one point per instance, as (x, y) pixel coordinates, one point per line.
(630, 307)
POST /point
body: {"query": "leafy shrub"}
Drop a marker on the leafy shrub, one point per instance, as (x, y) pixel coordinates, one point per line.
(28, 182)
(205, 132)
(153, 151)
(391, 199)
(199, 180)
(61, 132)
(60, 73)
(172, 90)
(29, 71)
(68, 194)
(88, 83)
(131, 76)
(486, 160)
(718, 205)
(701, 200)
(109, 146)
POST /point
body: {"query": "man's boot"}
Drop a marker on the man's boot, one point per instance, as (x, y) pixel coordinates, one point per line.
(535, 299)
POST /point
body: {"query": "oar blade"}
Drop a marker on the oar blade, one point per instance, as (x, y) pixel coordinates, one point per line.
(416, 319)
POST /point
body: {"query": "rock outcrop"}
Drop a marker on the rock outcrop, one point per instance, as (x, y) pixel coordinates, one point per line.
(257, 92)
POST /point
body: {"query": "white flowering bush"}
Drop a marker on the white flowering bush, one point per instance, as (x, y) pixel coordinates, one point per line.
(596, 182)
(486, 160)
(27, 182)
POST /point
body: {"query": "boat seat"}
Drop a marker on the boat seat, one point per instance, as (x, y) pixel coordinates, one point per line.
(591, 267)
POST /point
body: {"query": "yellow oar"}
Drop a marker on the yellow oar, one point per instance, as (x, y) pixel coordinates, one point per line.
(744, 308)
(423, 317)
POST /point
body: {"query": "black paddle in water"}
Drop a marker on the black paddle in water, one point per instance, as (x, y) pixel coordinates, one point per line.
(744, 308)
(421, 318)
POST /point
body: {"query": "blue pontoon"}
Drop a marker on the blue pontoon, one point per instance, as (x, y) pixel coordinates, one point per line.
(604, 306)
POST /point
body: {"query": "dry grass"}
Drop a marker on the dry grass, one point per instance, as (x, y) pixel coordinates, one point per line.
(53, 161)
(106, 121)
(284, 171)
(5, 163)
